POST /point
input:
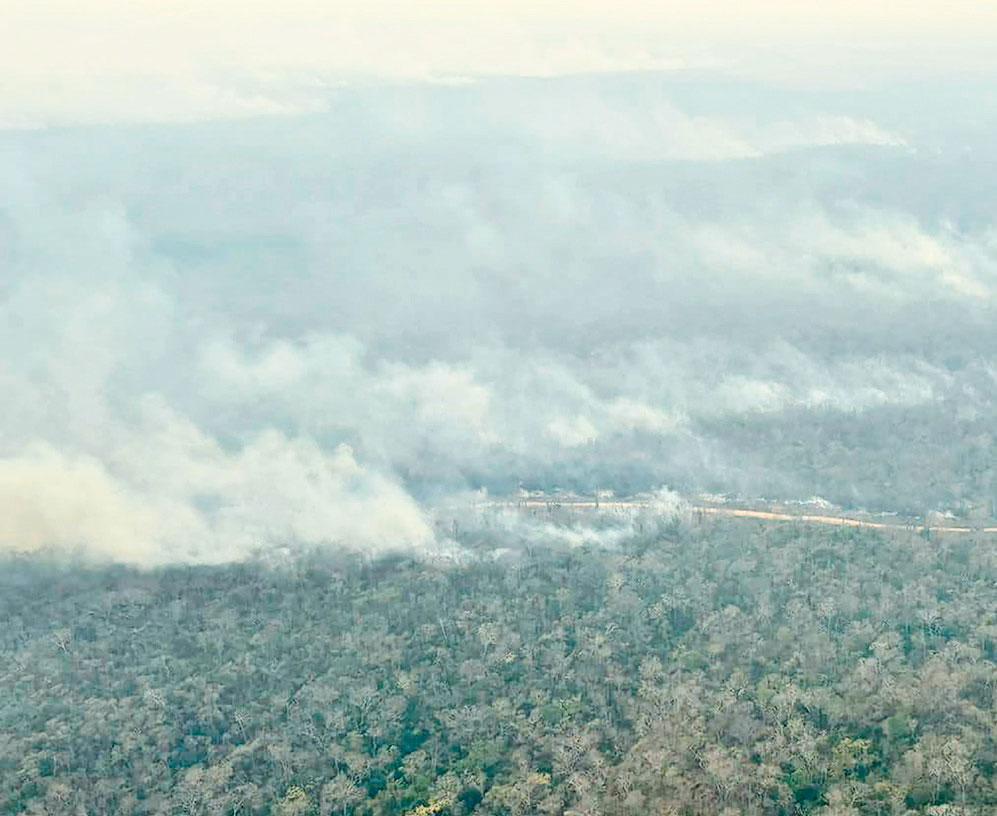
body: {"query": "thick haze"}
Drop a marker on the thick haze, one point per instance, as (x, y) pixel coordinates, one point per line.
(310, 329)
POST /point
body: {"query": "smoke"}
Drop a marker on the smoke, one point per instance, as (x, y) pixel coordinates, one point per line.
(171, 494)
(509, 524)
(314, 331)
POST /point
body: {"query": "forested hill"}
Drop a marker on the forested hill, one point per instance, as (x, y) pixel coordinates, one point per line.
(728, 667)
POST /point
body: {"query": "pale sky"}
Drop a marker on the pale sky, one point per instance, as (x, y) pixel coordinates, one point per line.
(106, 60)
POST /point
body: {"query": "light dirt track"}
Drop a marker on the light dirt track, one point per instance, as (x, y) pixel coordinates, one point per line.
(837, 521)
(737, 512)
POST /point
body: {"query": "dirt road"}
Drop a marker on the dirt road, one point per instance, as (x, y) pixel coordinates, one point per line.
(719, 510)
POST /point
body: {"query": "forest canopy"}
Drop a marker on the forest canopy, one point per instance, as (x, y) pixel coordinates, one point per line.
(702, 667)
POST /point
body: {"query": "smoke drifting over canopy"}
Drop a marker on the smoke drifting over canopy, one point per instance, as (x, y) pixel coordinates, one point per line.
(309, 330)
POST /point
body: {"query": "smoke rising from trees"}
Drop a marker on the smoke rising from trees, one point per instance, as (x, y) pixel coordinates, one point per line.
(311, 331)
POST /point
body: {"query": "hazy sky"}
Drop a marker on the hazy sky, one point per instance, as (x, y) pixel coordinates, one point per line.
(281, 278)
(110, 60)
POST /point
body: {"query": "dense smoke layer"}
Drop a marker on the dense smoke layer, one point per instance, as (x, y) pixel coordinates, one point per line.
(310, 331)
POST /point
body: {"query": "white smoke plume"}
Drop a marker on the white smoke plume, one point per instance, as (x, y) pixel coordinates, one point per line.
(311, 331)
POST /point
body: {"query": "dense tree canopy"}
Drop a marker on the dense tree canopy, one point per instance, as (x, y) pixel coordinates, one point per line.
(713, 667)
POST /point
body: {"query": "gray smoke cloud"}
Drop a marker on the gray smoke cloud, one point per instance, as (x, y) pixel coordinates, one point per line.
(311, 331)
